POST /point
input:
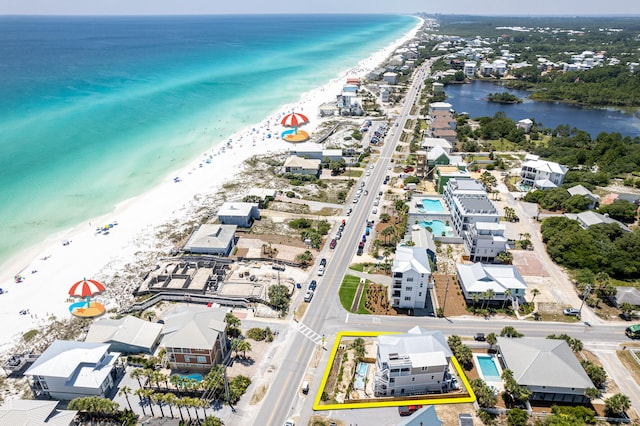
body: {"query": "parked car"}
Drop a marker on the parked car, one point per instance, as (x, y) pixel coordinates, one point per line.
(380, 194)
(323, 262)
(349, 210)
(289, 422)
(571, 311)
(366, 192)
(408, 410)
(305, 387)
(355, 200)
(308, 296)
(312, 285)
(374, 211)
(479, 337)
(332, 244)
(321, 271)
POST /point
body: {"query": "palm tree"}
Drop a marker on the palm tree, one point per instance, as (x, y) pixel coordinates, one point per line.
(243, 346)
(475, 297)
(126, 391)
(170, 399)
(389, 230)
(535, 292)
(158, 398)
(492, 339)
(507, 295)
(176, 380)
(148, 394)
(617, 404)
(136, 374)
(185, 401)
(140, 394)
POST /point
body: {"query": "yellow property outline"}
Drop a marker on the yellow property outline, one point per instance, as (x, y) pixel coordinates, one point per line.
(434, 401)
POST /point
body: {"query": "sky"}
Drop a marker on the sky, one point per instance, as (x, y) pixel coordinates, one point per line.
(191, 7)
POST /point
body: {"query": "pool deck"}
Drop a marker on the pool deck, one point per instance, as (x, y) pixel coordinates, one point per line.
(490, 381)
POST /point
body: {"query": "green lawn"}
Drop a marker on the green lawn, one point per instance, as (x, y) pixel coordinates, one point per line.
(348, 290)
(361, 308)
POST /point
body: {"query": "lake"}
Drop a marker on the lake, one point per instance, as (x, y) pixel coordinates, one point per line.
(470, 98)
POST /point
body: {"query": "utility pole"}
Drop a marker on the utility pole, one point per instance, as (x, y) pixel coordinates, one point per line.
(444, 301)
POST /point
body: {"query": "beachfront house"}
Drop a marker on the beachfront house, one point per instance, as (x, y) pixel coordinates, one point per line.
(590, 218)
(413, 363)
(128, 334)
(483, 241)
(468, 203)
(29, 412)
(541, 174)
(411, 278)
(581, 190)
(547, 367)
(491, 283)
(262, 196)
(68, 369)
(195, 338)
(239, 214)
(213, 239)
(302, 166)
(390, 77)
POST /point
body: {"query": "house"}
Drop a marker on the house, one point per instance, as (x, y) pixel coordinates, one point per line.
(430, 143)
(239, 214)
(443, 174)
(385, 93)
(590, 218)
(438, 88)
(212, 239)
(425, 416)
(128, 334)
(413, 363)
(411, 278)
(629, 295)
(483, 241)
(504, 280)
(468, 203)
(448, 134)
(439, 106)
(525, 124)
(68, 369)
(301, 166)
(195, 338)
(438, 156)
(541, 174)
(328, 109)
(29, 412)
(390, 77)
(547, 367)
(261, 195)
(581, 190)
(470, 69)
(424, 239)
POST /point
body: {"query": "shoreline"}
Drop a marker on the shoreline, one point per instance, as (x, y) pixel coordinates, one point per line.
(137, 220)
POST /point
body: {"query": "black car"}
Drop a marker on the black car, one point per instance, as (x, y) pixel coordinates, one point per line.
(479, 337)
(312, 285)
(323, 262)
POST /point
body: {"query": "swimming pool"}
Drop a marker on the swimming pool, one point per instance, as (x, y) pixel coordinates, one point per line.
(487, 365)
(194, 376)
(437, 227)
(361, 374)
(362, 369)
(432, 205)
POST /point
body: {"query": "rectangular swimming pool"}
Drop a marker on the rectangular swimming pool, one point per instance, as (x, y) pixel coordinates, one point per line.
(487, 365)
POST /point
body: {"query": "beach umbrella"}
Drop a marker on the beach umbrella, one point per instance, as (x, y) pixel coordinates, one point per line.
(294, 119)
(86, 288)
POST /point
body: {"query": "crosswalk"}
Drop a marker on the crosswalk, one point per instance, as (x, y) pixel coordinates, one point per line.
(310, 334)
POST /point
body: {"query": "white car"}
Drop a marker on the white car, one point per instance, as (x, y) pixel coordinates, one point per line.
(355, 200)
(368, 173)
(374, 211)
(308, 296)
(321, 271)
(289, 422)
(371, 166)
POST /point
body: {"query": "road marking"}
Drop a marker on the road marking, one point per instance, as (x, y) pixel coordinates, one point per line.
(309, 333)
(346, 320)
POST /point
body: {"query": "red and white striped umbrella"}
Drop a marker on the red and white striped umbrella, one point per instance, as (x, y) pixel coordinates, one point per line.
(86, 288)
(294, 119)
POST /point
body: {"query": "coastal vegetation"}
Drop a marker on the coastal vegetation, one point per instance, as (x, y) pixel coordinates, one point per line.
(503, 98)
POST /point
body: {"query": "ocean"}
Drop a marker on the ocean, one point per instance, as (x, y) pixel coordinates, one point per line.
(96, 110)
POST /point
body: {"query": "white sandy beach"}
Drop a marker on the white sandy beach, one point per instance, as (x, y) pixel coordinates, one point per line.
(96, 256)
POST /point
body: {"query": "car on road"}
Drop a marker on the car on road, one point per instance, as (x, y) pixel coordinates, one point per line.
(333, 243)
(355, 201)
(308, 296)
(571, 311)
(349, 210)
(321, 271)
(289, 422)
(323, 262)
(371, 166)
(479, 337)
(305, 387)
(374, 211)
(338, 235)
(380, 194)
(366, 192)
(312, 285)
(389, 168)
(368, 173)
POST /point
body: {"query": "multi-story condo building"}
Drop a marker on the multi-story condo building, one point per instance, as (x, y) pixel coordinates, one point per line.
(484, 241)
(468, 203)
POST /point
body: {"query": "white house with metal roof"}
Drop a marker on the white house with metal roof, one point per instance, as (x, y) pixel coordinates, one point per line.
(212, 239)
(504, 280)
(239, 214)
(30, 412)
(541, 174)
(301, 166)
(590, 218)
(413, 363)
(194, 337)
(68, 369)
(128, 334)
(411, 278)
(429, 143)
(547, 367)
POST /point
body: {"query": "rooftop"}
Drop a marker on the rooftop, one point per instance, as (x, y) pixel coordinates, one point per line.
(416, 341)
(411, 258)
(236, 209)
(28, 412)
(128, 330)
(480, 277)
(211, 236)
(193, 327)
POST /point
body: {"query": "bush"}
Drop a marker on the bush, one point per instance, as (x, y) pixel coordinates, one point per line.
(257, 334)
(291, 194)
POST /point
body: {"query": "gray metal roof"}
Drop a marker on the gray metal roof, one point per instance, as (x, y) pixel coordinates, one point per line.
(27, 412)
(543, 362)
(426, 416)
(479, 277)
(128, 330)
(195, 327)
(211, 236)
(416, 341)
(628, 295)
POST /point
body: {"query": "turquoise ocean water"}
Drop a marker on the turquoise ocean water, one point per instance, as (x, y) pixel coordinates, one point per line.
(94, 111)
